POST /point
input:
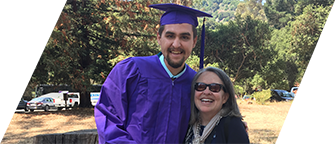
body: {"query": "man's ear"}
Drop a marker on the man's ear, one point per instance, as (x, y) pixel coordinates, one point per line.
(195, 41)
(158, 38)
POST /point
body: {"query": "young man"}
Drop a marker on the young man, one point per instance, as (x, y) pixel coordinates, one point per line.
(147, 99)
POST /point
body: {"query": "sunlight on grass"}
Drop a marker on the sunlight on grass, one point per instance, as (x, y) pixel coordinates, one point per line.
(264, 121)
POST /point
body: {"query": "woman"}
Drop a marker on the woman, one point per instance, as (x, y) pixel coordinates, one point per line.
(215, 117)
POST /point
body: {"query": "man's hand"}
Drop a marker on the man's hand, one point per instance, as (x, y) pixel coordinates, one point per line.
(246, 126)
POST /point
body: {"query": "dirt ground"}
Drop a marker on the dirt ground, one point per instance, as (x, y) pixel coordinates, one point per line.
(264, 121)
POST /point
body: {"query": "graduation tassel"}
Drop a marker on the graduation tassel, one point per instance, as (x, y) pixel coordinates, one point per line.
(202, 48)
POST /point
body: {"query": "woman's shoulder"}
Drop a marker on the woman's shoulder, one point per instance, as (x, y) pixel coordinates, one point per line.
(235, 128)
(232, 125)
(233, 119)
(232, 122)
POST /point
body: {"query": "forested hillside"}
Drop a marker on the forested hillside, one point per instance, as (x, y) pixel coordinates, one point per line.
(266, 45)
(221, 10)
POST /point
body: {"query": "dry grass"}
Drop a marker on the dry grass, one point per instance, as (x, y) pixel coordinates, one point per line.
(283, 122)
(24, 126)
(264, 121)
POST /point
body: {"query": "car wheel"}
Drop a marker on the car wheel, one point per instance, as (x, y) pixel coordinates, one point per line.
(75, 104)
(59, 108)
(46, 108)
(11, 108)
(26, 109)
(31, 110)
(272, 99)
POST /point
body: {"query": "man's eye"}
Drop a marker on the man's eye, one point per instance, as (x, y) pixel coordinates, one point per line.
(185, 37)
(169, 36)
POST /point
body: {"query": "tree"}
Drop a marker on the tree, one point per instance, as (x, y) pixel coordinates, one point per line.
(301, 4)
(71, 42)
(89, 38)
(215, 7)
(279, 12)
(221, 10)
(239, 47)
(252, 8)
(305, 32)
(281, 71)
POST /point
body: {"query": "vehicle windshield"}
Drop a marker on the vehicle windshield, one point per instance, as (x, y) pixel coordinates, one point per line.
(73, 96)
(37, 99)
(286, 94)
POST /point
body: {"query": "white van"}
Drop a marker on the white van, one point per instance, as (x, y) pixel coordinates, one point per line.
(58, 99)
(94, 98)
(304, 93)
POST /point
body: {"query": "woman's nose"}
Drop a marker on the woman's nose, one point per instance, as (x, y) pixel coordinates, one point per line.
(207, 91)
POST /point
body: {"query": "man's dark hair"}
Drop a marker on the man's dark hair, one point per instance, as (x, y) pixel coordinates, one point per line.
(161, 29)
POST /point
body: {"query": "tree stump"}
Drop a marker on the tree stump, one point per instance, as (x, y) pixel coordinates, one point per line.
(76, 137)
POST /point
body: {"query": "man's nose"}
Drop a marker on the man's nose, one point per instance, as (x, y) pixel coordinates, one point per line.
(176, 43)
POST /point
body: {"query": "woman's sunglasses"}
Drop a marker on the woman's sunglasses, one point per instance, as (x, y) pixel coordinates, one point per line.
(214, 87)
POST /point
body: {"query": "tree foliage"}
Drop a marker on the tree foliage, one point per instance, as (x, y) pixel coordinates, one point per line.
(221, 10)
(279, 12)
(252, 8)
(306, 31)
(238, 47)
(267, 54)
(91, 36)
(276, 73)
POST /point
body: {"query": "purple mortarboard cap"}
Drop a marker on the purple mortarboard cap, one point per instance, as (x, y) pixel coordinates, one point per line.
(177, 14)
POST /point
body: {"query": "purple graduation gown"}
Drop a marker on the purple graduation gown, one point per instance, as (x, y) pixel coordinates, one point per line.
(139, 103)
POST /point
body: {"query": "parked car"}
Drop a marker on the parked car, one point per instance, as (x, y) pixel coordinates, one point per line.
(304, 93)
(58, 99)
(12, 102)
(41, 103)
(280, 95)
(248, 97)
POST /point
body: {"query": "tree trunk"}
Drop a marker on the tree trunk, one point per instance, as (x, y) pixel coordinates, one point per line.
(239, 68)
(77, 137)
(292, 72)
(85, 99)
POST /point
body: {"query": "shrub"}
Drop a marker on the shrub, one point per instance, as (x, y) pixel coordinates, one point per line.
(262, 96)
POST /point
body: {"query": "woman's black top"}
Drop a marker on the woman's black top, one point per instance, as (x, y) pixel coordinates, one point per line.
(236, 132)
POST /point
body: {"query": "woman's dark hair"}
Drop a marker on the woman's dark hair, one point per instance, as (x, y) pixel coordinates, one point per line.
(230, 107)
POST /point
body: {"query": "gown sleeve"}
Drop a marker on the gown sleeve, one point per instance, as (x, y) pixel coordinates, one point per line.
(111, 110)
